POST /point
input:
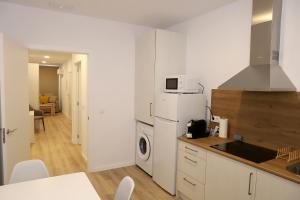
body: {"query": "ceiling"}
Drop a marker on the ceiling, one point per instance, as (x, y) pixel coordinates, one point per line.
(55, 58)
(154, 13)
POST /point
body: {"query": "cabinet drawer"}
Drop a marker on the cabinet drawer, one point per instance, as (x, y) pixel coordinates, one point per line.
(191, 149)
(188, 188)
(192, 165)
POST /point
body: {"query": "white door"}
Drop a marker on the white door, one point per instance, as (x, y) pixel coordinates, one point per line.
(14, 104)
(164, 158)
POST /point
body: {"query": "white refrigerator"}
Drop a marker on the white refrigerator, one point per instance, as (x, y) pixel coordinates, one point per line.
(172, 113)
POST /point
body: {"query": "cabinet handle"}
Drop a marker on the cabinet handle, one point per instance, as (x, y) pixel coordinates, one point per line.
(190, 159)
(193, 184)
(191, 149)
(250, 180)
(150, 109)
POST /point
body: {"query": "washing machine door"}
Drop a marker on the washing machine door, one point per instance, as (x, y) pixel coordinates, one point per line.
(143, 147)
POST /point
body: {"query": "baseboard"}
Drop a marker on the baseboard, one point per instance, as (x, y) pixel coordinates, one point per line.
(112, 166)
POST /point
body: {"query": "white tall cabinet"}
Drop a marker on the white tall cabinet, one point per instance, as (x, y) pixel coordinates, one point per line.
(158, 53)
(144, 77)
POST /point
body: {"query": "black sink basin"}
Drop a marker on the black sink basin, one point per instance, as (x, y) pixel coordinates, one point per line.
(295, 168)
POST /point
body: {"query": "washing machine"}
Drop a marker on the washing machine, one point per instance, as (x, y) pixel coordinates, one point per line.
(144, 147)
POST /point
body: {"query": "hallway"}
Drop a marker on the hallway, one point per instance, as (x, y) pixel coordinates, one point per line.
(55, 148)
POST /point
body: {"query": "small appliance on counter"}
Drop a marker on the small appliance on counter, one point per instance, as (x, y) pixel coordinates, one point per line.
(197, 129)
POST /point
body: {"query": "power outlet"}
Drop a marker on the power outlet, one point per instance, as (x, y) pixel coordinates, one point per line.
(216, 119)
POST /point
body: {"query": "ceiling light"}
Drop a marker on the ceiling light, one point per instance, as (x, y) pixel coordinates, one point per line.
(47, 57)
(44, 62)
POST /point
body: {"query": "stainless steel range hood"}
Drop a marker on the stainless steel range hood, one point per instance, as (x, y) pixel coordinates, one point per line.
(264, 72)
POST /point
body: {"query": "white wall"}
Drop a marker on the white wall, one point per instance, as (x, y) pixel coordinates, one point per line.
(218, 43)
(33, 85)
(290, 40)
(110, 49)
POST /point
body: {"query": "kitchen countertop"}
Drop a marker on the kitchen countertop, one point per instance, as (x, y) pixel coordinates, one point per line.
(275, 166)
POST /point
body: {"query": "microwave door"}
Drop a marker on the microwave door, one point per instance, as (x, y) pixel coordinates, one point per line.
(171, 83)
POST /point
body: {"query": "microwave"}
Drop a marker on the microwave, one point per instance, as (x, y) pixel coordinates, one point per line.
(181, 84)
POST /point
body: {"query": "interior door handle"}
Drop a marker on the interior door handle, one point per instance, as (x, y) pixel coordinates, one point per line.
(10, 131)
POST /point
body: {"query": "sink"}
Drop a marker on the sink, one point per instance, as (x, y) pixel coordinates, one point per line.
(295, 168)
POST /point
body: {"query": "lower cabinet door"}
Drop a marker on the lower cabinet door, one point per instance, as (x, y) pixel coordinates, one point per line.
(188, 188)
(270, 187)
(228, 180)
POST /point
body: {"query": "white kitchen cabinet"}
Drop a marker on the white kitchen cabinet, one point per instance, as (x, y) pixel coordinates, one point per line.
(158, 53)
(170, 57)
(202, 174)
(270, 187)
(188, 188)
(144, 77)
(191, 167)
(228, 180)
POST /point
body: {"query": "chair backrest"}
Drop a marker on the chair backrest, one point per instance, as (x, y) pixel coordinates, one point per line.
(28, 170)
(125, 189)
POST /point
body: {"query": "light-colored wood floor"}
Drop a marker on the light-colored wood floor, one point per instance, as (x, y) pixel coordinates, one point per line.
(55, 148)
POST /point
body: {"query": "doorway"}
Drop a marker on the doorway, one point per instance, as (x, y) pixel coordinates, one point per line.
(54, 145)
(65, 132)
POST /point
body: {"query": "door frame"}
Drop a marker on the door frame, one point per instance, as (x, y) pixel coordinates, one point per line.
(76, 91)
(86, 52)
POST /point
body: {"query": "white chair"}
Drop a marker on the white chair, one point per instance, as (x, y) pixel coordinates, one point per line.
(125, 189)
(28, 170)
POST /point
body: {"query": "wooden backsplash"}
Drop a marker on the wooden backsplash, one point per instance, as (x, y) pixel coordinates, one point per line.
(270, 119)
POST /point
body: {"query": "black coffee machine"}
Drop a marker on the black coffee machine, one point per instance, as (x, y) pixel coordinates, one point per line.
(197, 128)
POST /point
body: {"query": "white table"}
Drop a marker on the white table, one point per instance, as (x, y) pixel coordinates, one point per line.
(74, 186)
